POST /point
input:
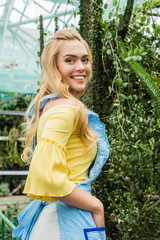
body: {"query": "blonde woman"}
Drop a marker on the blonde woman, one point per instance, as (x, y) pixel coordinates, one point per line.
(69, 148)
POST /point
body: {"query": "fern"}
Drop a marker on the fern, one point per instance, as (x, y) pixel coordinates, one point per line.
(146, 80)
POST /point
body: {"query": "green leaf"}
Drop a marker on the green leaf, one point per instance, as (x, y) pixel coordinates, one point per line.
(139, 58)
(142, 49)
(157, 80)
(144, 54)
(119, 81)
(122, 96)
(153, 49)
(143, 19)
(126, 70)
(38, 53)
(75, 14)
(109, 51)
(115, 3)
(136, 41)
(134, 58)
(157, 29)
(105, 5)
(122, 55)
(115, 63)
(108, 35)
(130, 53)
(136, 51)
(148, 21)
(127, 59)
(110, 89)
(148, 30)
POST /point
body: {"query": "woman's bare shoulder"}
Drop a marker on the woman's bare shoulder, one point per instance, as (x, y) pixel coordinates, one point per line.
(59, 101)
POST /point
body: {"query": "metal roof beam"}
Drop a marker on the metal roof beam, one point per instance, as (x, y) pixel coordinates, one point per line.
(42, 7)
(22, 44)
(28, 35)
(44, 18)
(2, 5)
(20, 13)
(52, 17)
(74, 2)
(28, 51)
(24, 9)
(69, 19)
(6, 15)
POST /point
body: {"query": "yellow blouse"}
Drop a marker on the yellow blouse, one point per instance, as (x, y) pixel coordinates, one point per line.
(58, 163)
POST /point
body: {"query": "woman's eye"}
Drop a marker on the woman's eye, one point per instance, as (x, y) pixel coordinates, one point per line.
(69, 60)
(86, 60)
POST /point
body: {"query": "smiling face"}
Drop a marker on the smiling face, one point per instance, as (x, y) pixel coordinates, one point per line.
(74, 65)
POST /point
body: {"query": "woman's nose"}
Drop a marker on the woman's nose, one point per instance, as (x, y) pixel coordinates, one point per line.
(80, 66)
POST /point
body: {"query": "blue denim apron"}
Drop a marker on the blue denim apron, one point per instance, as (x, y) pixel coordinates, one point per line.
(75, 223)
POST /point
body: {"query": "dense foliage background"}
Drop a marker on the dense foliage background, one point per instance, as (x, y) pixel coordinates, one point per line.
(129, 183)
(12, 126)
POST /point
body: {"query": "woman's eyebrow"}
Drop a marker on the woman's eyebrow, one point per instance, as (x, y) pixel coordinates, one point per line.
(72, 55)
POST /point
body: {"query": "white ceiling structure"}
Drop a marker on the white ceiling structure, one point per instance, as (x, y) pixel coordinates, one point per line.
(19, 68)
(19, 43)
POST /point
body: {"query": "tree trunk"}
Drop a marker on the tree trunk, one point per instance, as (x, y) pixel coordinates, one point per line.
(123, 25)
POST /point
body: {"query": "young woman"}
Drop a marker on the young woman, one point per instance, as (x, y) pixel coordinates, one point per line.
(70, 148)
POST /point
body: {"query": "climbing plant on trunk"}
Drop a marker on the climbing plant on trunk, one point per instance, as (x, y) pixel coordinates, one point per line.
(123, 24)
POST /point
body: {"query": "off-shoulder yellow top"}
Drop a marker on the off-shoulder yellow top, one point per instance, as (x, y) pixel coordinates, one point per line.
(58, 163)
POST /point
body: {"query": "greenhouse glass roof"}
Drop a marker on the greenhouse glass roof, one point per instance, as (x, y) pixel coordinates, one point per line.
(19, 43)
(19, 68)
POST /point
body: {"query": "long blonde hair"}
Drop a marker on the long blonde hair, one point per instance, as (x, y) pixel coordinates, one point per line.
(52, 83)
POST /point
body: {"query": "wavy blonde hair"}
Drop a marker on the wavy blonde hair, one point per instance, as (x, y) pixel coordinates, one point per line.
(52, 83)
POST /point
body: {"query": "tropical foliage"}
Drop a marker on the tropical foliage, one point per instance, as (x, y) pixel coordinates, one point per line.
(128, 185)
(128, 99)
(11, 127)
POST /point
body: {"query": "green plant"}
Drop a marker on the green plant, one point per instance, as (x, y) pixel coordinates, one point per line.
(11, 126)
(128, 184)
(10, 212)
(4, 189)
(147, 81)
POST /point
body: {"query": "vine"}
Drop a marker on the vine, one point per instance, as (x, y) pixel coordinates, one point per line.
(56, 23)
(99, 80)
(86, 20)
(41, 34)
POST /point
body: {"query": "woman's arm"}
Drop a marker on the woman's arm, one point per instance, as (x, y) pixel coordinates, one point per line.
(83, 200)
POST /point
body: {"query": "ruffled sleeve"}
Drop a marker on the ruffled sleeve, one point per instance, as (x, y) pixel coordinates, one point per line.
(48, 169)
